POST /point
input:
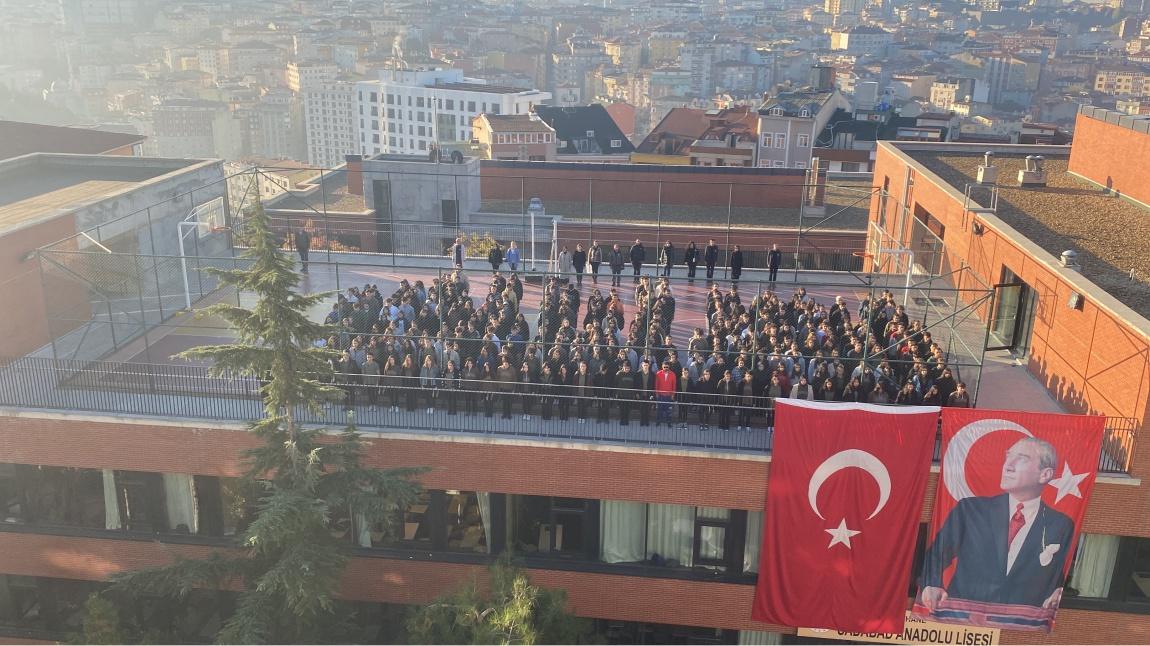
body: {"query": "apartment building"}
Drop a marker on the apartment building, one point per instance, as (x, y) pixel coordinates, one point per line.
(407, 112)
(789, 123)
(945, 92)
(1127, 81)
(514, 137)
(861, 40)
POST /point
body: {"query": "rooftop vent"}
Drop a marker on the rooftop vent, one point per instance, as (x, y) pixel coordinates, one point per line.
(1034, 174)
(1070, 260)
(988, 172)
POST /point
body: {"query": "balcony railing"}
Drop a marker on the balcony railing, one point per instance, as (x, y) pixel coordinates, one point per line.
(485, 408)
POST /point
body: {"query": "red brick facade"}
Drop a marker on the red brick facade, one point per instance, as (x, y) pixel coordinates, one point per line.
(1111, 156)
(1090, 359)
(642, 185)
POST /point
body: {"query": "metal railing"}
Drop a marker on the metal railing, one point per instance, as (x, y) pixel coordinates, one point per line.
(488, 408)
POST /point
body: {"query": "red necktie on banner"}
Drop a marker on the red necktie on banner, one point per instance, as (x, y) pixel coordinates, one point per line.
(1016, 523)
(844, 498)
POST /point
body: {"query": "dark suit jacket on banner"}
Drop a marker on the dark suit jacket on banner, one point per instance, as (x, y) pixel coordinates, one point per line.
(975, 533)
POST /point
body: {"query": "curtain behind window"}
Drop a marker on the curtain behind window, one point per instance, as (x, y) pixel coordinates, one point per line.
(671, 532)
(753, 542)
(1094, 566)
(622, 527)
(759, 638)
(484, 499)
(180, 499)
(111, 501)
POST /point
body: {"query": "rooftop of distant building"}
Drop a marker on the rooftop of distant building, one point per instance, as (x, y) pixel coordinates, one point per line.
(34, 188)
(20, 138)
(482, 87)
(1069, 213)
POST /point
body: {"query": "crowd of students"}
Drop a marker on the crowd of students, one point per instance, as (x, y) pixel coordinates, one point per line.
(432, 349)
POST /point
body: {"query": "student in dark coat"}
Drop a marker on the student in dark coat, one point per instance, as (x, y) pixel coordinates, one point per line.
(579, 262)
(691, 258)
(303, 246)
(495, 257)
(638, 255)
(615, 261)
(625, 392)
(774, 260)
(710, 257)
(736, 263)
(645, 391)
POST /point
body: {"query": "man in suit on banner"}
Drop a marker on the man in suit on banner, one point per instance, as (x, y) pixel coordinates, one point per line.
(1008, 549)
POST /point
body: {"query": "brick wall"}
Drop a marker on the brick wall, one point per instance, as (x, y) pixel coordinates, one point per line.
(24, 326)
(1112, 156)
(667, 601)
(639, 184)
(608, 473)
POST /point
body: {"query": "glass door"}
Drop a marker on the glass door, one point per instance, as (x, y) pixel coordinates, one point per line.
(1004, 315)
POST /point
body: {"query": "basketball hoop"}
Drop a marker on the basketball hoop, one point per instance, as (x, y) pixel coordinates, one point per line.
(862, 254)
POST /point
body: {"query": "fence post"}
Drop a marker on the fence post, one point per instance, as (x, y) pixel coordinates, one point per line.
(390, 217)
(590, 212)
(155, 265)
(727, 247)
(323, 199)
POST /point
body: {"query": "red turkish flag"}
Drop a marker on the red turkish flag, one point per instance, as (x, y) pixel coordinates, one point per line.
(1011, 497)
(843, 504)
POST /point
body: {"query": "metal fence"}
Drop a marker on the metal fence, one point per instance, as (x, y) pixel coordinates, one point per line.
(482, 408)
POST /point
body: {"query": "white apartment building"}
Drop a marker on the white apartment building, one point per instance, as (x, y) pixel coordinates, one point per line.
(330, 115)
(406, 111)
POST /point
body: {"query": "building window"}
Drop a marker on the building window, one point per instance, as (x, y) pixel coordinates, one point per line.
(471, 106)
(501, 139)
(391, 141)
(590, 133)
(616, 143)
(419, 102)
(451, 104)
(805, 113)
(554, 526)
(422, 131)
(780, 140)
(375, 139)
(423, 145)
(778, 163)
(767, 139)
(672, 535)
(494, 109)
(777, 111)
(804, 141)
(375, 124)
(800, 164)
(374, 97)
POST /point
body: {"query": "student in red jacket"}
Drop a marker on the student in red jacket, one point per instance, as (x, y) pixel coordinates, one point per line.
(666, 383)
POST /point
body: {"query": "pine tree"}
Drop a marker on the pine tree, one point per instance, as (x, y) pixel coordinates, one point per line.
(289, 566)
(512, 612)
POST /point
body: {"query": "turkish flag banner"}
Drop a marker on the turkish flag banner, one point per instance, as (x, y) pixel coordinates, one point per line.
(844, 499)
(1011, 497)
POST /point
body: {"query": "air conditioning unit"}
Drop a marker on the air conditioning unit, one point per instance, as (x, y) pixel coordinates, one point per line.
(988, 172)
(1034, 174)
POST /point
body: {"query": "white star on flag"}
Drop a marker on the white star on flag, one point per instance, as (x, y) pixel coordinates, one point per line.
(841, 534)
(1067, 483)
